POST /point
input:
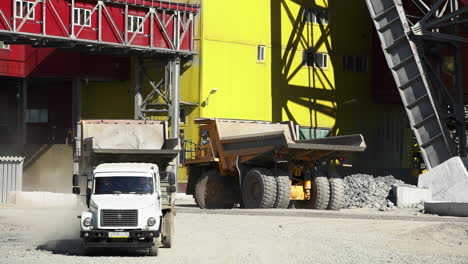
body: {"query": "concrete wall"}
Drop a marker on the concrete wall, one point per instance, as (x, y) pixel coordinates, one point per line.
(51, 172)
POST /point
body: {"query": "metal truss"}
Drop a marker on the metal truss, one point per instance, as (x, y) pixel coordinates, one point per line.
(417, 37)
(439, 29)
(168, 27)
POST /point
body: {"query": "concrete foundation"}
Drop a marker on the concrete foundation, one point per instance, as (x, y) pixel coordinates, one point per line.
(448, 181)
(446, 208)
(408, 196)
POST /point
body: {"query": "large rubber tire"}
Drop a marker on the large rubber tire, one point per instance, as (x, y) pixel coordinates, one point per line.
(337, 193)
(212, 191)
(283, 189)
(259, 189)
(320, 193)
(167, 229)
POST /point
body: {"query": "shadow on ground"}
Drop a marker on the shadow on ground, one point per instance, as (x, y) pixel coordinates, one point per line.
(72, 247)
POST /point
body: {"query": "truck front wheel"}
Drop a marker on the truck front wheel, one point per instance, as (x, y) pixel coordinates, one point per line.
(213, 191)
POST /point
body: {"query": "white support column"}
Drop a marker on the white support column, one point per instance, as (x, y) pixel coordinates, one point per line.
(72, 29)
(175, 109)
(76, 118)
(138, 88)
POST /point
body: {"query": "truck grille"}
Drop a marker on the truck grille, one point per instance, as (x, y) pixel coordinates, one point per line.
(119, 217)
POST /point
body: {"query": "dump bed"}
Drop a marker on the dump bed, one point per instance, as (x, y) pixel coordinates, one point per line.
(132, 140)
(247, 138)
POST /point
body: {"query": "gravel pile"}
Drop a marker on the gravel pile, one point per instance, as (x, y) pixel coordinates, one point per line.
(367, 191)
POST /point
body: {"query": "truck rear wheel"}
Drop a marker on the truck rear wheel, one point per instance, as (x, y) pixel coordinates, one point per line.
(167, 229)
(336, 193)
(213, 192)
(319, 194)
(259, 189)
(283, 188)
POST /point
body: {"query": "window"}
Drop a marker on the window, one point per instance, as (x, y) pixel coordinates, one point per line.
(355, 63)
(312, 59)
(182, 116)
(82, 17)
(4, 46)
(261, 53)
(37, 116)
(135, 24)
(316, 15)
(23, 8)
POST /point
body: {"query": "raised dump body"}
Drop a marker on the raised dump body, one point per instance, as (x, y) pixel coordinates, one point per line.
(126, 167)
(264, 164)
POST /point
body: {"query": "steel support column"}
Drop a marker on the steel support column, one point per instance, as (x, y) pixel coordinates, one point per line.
(460, 101)
(76, 117)
(174, 109)
(138, 88)
(24, 105)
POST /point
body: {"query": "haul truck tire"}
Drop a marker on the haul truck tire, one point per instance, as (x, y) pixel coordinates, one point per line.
(336, 193)
(212, 192)
(168, 229)
(319, 194)
(283, 188)
(259, 189)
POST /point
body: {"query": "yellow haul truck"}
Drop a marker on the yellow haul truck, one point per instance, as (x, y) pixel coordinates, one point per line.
(261, 164)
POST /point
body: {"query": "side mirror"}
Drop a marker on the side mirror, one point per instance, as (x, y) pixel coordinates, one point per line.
(75, 180)
(90, 184)
(76, 190)
(172, 189)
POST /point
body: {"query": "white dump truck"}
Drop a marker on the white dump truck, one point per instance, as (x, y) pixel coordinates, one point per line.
(126, 167)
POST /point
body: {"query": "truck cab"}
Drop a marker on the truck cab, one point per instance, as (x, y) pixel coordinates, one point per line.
(125, 207)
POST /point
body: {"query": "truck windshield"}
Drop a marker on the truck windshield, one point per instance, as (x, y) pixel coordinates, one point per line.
(123, 185)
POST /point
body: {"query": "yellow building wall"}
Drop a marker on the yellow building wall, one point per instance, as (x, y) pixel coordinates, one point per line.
(229, 63)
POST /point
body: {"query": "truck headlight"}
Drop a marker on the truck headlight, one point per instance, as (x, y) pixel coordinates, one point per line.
(151, 221)
(87, 221)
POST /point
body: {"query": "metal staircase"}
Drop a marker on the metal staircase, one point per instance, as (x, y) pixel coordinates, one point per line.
(405, 61)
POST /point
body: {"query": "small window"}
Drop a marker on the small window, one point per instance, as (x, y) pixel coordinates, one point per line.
(82, 17)
(261, 53)
(312, 59)
(316, 15)
(182, 115)
(355, 63)
(23, 8)
(37, 116)
(4, 46)
(135, 24)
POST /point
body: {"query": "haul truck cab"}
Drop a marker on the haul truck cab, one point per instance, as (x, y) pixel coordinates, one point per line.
(125, 207)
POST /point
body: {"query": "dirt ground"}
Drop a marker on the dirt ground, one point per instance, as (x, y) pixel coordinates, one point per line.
(250, 236)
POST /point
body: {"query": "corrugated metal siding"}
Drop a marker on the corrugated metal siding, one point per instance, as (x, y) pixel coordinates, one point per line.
(11, 176)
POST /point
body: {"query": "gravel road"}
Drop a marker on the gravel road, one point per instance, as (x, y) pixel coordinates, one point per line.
(250, 236)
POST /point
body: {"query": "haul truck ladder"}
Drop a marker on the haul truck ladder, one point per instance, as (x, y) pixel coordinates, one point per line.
(402, 43)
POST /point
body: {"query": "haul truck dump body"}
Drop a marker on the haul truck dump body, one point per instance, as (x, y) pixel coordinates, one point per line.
(264, 165)
(126, 167)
